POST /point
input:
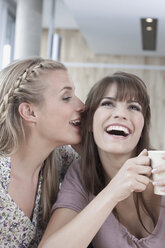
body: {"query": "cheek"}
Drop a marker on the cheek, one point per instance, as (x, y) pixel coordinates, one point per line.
(96, 122)
(95, 126)
(98, 128)
(140, 124)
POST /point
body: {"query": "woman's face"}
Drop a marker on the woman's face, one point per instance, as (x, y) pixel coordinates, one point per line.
(117, 125)
(58, 118)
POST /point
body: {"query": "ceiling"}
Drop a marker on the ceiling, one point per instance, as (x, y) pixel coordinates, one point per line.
(62, 16)
(111, 27)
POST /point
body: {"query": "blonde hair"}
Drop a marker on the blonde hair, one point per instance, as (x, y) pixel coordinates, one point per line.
(22, 82)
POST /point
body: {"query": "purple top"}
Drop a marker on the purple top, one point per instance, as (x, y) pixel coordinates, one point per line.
(112, 234)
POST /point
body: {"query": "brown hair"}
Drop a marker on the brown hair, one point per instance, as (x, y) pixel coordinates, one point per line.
(129, 87)
(22, 82)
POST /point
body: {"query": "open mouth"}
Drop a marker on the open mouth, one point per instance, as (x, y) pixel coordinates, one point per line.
(118, 131)
(76, 123)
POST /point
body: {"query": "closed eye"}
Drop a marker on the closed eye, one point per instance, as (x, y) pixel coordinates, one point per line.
(66, 99)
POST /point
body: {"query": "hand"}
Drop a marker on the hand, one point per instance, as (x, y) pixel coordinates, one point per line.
(156, 171)
(133, 176)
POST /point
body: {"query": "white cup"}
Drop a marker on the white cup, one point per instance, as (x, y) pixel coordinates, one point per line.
(156, 160)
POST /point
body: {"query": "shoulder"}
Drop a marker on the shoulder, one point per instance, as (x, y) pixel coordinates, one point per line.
(72, 193)
(4, 165)
(65, 155)
(4, 162)
(74, 172)
(4, 172)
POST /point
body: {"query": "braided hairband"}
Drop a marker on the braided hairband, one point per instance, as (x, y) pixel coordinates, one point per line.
(10, 93)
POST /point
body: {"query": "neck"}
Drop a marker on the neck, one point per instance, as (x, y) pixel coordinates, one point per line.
(112, 162)
(29, 158)
(23, 165)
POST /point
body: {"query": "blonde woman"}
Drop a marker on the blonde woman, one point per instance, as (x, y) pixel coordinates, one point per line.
(39, 112)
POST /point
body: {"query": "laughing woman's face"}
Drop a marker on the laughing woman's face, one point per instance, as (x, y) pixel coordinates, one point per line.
(117, 125)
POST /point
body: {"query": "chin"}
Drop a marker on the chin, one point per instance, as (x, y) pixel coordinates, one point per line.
(119, 151)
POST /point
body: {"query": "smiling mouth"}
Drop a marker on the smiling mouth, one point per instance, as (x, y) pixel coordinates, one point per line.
(75, 123)
(118, 131)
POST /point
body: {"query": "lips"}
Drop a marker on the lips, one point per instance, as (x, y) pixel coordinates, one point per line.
(75, 123)
(118, 130)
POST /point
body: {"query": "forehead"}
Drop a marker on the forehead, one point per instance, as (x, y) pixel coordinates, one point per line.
(57, 80)
(111, 90)
(122, 92)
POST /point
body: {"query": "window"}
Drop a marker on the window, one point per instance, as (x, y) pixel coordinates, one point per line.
(7, 30)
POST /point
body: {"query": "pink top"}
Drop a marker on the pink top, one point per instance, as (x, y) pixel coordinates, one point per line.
(112, 234)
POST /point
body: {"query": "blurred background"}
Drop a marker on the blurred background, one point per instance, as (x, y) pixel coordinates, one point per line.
(93, 38)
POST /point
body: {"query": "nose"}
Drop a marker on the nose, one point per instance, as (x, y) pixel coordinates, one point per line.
(81, 106)
(120, 113)
(120, 117)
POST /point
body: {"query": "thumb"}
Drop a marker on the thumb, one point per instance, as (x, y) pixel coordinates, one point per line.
(143, 153)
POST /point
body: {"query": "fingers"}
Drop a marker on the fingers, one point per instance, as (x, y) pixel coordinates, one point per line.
(142, 159)
(143, 179)
(159, 183)
(140, 187)
(159, 175)
(139, 184)
(140, 165)
(158, 169)
(143, 153)
(141, 169)
(159, 180)
(162, 188)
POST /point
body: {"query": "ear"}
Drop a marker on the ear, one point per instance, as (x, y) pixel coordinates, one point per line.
(27, 112)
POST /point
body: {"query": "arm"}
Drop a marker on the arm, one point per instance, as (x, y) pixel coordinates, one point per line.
(77, 230)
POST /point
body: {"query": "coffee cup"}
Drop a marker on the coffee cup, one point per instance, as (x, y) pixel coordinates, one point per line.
(157, 160)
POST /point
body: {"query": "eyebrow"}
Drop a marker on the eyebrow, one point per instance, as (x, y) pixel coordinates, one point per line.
(130, 101)
(109, 98)
(114, 99)
(66, 88)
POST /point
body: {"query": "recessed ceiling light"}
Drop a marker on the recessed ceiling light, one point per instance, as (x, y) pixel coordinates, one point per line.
(149, 28)
(149, 33)
(149, 20)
